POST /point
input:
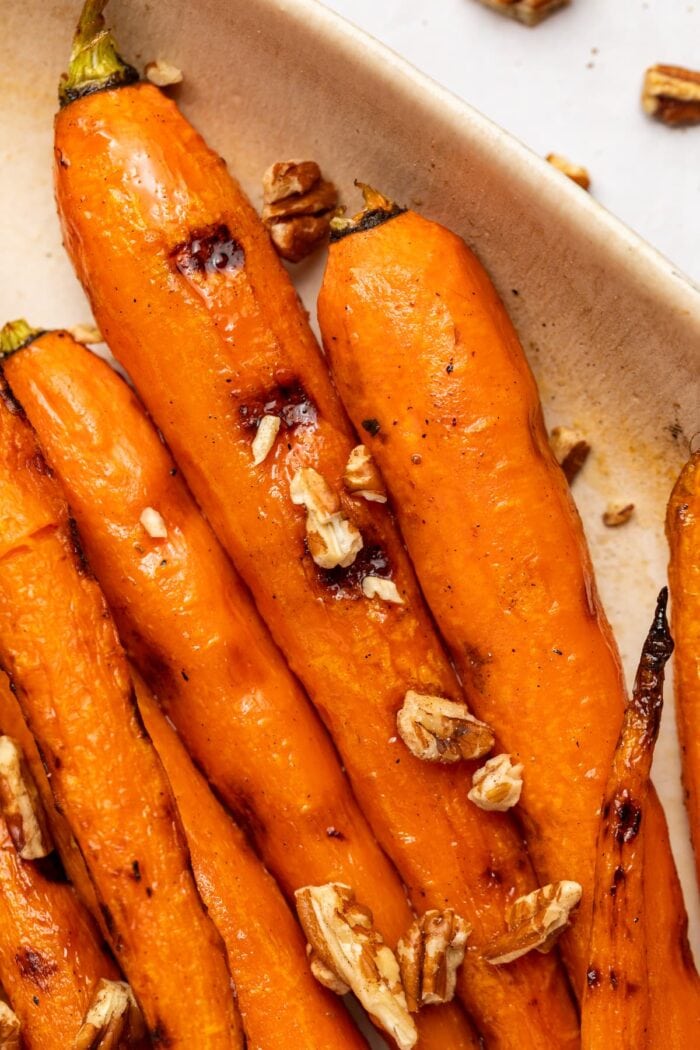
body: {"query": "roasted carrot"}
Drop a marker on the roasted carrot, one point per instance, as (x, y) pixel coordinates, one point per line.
(616, 994)
(683, 532)
(189, 293)
(51, 955)
(189, 624)
(419, 341)
(59, 646)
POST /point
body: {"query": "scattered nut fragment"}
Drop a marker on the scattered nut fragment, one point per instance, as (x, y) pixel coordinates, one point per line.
(113, 1019)
(440, 730)
(297, 207)
(162, 73)
(20, 805)
(379, 587)
(575, 172)
(570, 449)
(535, 921)
(265, 437)
(9, 1028)
(332, 539)
(429, 954)
(328, 978)
(361, 476)
(672, 95)
(497, 785)
(528, 11)
(345, 943)
(153, 523)
(617, 514)
(86, 333)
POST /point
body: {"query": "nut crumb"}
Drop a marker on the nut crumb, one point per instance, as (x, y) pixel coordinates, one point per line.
(162, 73)
(379, 587)
(346, 945)
(333, 540)
(439, 730)
(672, 95)
(575, 172)
(298, 205)
(617, 514)
(497, 785)
(153, 523)
(361, 477)
(265, 437)
(535, 921)
(86, 333)
(20, 805)
(9, 1028)
(571, 450)
(429, 954)
(528, 11)
(113, 1019)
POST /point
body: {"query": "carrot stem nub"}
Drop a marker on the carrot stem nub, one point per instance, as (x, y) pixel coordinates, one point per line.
(16, 334)
(94, 63)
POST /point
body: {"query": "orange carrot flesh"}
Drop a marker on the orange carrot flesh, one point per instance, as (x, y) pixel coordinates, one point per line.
(189, 625)
(419, 341)
(59, 646)
(683, 532)
(193, 301)
(281, 1003)
(616, 996)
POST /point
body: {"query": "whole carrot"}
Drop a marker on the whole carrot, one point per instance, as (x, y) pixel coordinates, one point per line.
(188, 623)
(616, 995)
(177, 241)
(59, 646)
(419, 341)
(683, 532)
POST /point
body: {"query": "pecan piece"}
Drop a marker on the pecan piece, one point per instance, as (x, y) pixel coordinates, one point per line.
(298, 205)
(380, 587)
(162, 73)
(153, 523)
(20, 805)
(528, 11)
(87, 333)
(346, 945)
(535, 921)
(265, 437)
(429, 954)
(497, 784)
(333, 540)
(113, 1019)
(9, 1028)
(571, 450)
(361, 477)
(616, 514)
(672, 95)
(575, 172)
(440, 730)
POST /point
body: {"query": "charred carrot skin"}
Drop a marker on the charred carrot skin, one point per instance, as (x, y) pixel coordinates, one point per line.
(281, 1003)
(182, 229)
(616, 995)
(188, 623)
(59, 645)
(683, 533)
(419, 341)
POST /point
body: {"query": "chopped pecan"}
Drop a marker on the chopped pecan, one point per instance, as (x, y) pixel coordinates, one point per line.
(570, 449)
(429, 954)
(440, 730)
(162, 73)
(332, 539)
(153, 523)
(672, 94)
(497, 784)
(265, 437)
(9, 1028)
(298, 205)
(20, 804)
(575, 172)
(535, 921)
(617, 514)
(113, 1019)
(528, 11)
(86, 333)
(380, 587)
(361, 476)
(345, 943)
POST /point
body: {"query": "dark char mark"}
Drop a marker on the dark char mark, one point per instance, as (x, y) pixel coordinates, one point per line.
(369, 220)
(35, 966)
(210, 249)
(288, 401)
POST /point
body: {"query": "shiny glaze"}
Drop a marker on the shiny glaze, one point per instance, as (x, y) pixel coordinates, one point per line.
(199, 347)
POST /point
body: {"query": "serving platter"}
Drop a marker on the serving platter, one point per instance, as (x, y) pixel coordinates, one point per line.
(611, 329)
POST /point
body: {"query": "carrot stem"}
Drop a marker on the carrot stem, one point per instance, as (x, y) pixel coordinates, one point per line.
(94, 63)
(377, 209)
(16, 334)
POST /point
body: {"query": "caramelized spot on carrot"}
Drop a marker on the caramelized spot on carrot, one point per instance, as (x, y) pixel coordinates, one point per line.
(288, 401)
(35, 966)
(208, 250)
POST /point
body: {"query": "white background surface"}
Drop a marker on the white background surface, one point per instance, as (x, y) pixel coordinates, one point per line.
(571, 85)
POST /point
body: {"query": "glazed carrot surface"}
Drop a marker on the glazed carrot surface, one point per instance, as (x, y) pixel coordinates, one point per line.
(193, 301)
(188, 623)
(59, 645)
(420, 343)
(683, 532)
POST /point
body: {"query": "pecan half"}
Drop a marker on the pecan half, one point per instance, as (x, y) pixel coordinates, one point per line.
(528, 11)
(429, 954)
(113, 1019)
(20, 805)
(9, 1028)
(672, 94)
(333, 540)
(571, 450)
(440, 730)
(535, 921)
(361, 477)
(497, 784)
(298, 205)
(575, 172)
(346, 944)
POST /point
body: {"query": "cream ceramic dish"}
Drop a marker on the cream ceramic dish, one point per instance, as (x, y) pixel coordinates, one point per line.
(611, 329)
